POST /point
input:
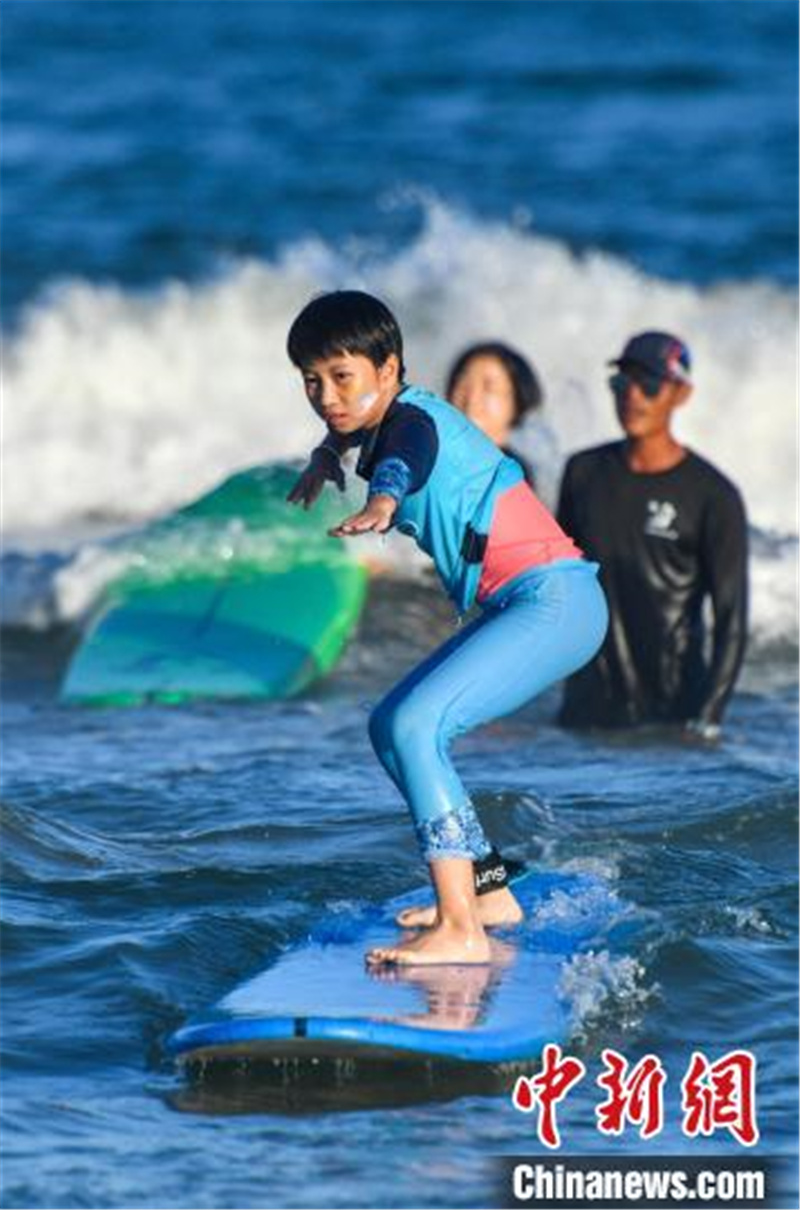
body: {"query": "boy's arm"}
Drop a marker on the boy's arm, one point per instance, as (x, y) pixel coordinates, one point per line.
(324, 465)
(405, 459)
(405, 456)
(725, 551)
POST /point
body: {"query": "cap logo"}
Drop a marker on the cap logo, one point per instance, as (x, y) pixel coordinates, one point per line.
(674, 362)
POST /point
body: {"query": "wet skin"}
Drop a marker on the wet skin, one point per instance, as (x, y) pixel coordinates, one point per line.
(457, 936)
(494, 909)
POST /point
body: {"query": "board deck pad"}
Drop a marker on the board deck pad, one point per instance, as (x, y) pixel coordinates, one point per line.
(239, 595)
(321, 1003)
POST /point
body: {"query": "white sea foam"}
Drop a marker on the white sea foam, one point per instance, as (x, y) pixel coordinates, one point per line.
(122, 406)
(565, 908)
(597, 985)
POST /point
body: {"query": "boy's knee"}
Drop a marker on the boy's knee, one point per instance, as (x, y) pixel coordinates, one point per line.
(405, 727)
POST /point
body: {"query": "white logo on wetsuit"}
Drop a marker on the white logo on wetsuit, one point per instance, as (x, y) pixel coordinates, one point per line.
(660, 516)
(497, 874)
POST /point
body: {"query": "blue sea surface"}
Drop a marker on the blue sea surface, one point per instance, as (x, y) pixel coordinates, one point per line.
(145, 141)
(177, 177)
(155, 857)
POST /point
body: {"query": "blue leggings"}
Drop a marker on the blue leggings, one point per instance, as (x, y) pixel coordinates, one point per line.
(542, 626)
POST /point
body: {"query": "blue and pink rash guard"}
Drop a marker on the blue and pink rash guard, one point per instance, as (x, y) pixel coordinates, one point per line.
(425, 452)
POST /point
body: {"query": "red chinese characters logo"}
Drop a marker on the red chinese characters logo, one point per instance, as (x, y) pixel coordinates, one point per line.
(714, 1096)
(635, 1096)
(545, 1090)
(721, 1096)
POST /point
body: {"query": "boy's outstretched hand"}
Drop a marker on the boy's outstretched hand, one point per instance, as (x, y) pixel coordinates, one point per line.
(375, 517)
(324, 466)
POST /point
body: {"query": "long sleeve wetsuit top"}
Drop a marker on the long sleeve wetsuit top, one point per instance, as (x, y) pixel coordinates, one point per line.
(458, 496)
(666, 543)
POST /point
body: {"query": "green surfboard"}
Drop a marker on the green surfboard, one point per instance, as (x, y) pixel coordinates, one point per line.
(238, 595)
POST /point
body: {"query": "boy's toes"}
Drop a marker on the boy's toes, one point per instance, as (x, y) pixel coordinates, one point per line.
(381, 956)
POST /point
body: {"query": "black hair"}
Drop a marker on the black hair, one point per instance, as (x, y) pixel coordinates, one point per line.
(345, 321)
(526, 387)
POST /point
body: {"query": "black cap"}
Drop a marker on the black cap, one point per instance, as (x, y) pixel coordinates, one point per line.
(658, 353)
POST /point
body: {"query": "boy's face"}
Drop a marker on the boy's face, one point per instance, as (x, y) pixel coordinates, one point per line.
(348, 391)
(642, 413)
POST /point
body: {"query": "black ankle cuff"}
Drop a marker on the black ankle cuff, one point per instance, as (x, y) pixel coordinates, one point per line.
(491, 873)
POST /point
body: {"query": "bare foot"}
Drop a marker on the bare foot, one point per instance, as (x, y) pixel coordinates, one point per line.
(495, 909)
(443, 944)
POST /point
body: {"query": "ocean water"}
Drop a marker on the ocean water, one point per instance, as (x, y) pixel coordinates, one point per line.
(178, 178)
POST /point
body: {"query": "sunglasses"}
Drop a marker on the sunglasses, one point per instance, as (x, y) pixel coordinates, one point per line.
(649, 384)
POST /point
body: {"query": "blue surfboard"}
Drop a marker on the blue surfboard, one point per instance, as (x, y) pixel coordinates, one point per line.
(320, 1004)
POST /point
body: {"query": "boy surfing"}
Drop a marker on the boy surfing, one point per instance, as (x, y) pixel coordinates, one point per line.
(437, 478)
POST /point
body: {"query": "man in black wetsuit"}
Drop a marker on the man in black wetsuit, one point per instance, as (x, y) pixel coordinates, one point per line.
(669, 532)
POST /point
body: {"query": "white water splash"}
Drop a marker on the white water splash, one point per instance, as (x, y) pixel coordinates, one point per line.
(121, 406)
(126, 404)
(596, 984)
